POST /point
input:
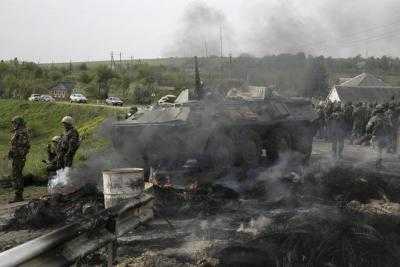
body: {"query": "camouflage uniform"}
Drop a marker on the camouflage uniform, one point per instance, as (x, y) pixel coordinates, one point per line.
(53, 162)
(360, 120)
(69, 143)
(393, 115)
(379, 128)
(20, 146)
(321, 121)
(337, 126)
(348, 118)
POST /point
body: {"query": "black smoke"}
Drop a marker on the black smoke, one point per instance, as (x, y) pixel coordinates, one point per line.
(200, 32)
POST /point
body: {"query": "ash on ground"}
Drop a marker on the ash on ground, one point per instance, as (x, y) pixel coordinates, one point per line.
(339, 216)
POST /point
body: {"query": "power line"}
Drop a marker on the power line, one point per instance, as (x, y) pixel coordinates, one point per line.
(346, 38)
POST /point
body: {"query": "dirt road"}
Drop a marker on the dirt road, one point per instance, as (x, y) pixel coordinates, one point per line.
(363, 157)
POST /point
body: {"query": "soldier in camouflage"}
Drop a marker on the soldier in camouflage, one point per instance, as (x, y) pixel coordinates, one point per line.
(379, 128)
(20, 146)
(348, 119)
(337, 126)
(53, 162)
(69, 142)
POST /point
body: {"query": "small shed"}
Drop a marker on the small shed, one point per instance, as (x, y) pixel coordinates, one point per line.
(62, 90)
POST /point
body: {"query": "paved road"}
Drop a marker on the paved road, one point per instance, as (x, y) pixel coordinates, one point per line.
(95, 105)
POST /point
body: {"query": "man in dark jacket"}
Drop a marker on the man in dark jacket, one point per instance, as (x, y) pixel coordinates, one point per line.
(19, 149)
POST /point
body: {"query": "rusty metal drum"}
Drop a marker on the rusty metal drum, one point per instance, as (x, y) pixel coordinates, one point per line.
(120, 185)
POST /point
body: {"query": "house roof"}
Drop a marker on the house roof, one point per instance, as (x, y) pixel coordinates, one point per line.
(343, 80)
(367, 93)
(67, 86)
(363, 79)
(249, 92)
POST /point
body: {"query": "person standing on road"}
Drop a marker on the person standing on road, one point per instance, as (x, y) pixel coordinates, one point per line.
(69, 142)
(348, 119)
(379, 128)
(393, 116)
(19, 149)
(337, 125)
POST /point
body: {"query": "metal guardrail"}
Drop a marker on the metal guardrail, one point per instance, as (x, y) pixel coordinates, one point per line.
(66, 245)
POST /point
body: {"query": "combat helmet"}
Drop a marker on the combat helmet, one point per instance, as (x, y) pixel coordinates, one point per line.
(379, 109)
(68, 120)
(56, 138)
(18, 121)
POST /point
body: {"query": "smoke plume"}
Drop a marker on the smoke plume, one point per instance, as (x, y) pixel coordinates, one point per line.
(201, 32)
(327, 27)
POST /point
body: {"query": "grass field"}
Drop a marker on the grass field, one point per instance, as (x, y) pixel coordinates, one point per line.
(43, 120)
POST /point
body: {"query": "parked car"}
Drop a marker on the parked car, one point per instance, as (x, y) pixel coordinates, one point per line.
(47, 98)
(78, 98)
(114, 101)
(34, 97)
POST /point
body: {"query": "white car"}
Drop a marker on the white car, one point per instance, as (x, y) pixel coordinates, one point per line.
(114, 101)
(35, 97)
(78, 98)
(47, 98)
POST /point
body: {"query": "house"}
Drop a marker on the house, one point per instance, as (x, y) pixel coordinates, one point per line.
(62, 90)
(363, 88)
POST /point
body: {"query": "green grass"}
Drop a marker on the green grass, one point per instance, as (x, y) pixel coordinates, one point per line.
(43, 120)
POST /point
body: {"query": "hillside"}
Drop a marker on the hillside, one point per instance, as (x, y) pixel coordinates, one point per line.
(43, 120)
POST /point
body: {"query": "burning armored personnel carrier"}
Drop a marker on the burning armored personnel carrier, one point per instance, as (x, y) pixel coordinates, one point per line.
(246, 127)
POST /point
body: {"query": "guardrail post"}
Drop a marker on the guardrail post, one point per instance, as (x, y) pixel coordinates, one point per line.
(111, 253)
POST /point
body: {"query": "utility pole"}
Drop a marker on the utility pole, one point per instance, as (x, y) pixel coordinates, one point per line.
(112, 63)
(221, 51)
(205, 48)
(230, 65)
(220, 40)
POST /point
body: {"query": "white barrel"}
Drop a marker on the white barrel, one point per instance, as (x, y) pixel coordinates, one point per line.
(120, 185)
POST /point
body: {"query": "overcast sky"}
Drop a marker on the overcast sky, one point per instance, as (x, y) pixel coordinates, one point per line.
(80, 30)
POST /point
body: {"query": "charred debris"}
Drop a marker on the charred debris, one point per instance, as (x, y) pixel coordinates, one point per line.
(234, 179)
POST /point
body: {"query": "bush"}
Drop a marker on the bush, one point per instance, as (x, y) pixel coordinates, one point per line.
(143, 95)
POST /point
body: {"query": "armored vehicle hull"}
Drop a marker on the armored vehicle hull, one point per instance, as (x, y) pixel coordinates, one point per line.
(218, 134)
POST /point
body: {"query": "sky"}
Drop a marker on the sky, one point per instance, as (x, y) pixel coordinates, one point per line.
(86, 30)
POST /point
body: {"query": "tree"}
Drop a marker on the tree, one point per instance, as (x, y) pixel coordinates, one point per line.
(83, 67)
(317, 80)
(84, 77)
(143, 94)
(103, 75)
